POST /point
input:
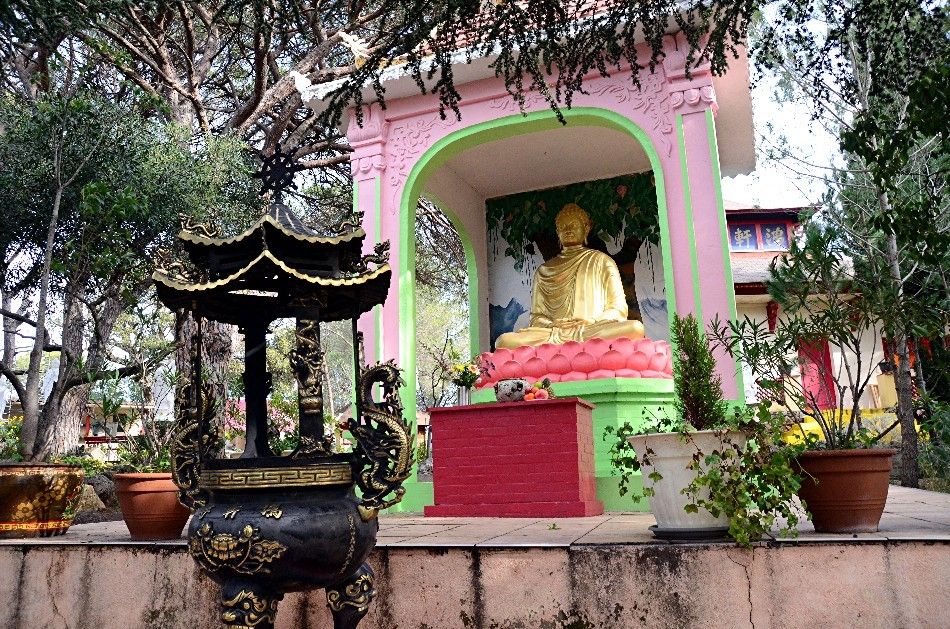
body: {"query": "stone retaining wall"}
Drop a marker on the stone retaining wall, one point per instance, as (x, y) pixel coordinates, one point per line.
(811, 585)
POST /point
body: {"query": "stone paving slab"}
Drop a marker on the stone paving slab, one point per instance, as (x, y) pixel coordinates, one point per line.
(910, 515)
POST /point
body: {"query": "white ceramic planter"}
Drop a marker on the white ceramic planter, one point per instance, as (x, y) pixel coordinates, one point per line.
(670, 455)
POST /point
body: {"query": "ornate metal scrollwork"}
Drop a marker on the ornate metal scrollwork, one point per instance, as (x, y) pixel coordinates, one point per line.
(356, 593)
(246, 552)
(351, 222)
(203, 230)
(383, 456)
(307, 362)
(194, 439)
(277, 171)
(358, 265)
(380, 255)
(175, 269)
(311, 447)
(272, 511)
(247, 609)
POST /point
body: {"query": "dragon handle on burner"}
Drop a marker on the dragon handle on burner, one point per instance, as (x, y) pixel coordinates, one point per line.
(194, 439)
(384, 445)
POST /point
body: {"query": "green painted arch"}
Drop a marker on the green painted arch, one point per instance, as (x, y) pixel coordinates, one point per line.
(468, 137)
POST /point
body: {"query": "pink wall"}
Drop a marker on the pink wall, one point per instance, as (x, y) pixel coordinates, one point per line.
(392, 141)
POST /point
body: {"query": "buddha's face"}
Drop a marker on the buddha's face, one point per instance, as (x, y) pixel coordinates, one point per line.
(572, 230)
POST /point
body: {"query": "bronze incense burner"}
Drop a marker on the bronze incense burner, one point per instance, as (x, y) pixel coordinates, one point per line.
(266, 524)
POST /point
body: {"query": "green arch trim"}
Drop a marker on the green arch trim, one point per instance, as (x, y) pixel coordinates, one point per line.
(471, 267)
(463, 139)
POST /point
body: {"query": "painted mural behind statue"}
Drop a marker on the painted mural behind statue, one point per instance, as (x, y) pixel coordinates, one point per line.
(624, 226)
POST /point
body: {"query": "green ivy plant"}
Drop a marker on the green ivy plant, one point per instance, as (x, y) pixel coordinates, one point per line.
(623, 458)
(750, 479)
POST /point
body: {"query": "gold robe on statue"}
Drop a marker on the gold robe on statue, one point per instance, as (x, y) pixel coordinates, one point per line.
(576, 295)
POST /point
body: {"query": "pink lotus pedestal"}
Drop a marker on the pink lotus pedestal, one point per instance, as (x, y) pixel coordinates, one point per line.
(573, 361)
(522, 459)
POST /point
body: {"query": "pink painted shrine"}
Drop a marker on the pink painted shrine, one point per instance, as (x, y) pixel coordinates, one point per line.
(680, 134)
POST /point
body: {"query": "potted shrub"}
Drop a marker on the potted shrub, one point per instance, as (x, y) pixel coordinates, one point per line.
(708, 471)
(36, 498)
(845, 475)
(147, 495)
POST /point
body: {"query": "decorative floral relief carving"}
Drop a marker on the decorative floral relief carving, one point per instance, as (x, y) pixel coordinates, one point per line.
(367, 165)
(508, 103)
(374, 125)
(651, 98)
(407, 141)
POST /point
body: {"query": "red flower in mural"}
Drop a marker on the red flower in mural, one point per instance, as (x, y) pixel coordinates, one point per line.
(622, 190)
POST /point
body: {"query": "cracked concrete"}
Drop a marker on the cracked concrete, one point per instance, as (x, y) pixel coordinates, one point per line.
(487, 573)
(748, 579)
(904, 584)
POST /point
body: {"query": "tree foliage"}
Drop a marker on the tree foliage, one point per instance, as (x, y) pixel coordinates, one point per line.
(124, 181)
(873, 73)
(815, 285)
(699, 400)
(230, 67)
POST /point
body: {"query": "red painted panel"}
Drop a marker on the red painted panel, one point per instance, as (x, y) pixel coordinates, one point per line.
(817, 377)
(524, 459)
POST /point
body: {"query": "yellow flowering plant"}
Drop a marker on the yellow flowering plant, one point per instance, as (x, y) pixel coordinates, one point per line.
(466, 374)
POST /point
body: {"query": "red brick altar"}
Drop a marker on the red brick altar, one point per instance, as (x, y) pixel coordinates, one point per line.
(521, 459)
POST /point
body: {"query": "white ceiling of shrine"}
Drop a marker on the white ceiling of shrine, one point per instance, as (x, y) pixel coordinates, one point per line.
(548, 158)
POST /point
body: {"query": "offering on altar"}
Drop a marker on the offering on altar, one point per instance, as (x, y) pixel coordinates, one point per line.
(520, 390)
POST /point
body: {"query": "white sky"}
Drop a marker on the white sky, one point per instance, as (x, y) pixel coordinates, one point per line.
(774, 184)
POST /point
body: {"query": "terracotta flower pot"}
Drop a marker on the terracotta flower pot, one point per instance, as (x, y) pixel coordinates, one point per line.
(845, 490)
(150, 506)
(35, 498)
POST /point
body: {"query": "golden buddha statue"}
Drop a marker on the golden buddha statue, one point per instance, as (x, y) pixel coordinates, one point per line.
(577, 295)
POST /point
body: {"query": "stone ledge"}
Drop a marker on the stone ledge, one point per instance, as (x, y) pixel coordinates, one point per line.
(596, 586)
(515, 573)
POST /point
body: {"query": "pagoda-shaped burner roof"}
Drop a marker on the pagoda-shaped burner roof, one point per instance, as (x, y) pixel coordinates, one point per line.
(278, 219)
(276, 268)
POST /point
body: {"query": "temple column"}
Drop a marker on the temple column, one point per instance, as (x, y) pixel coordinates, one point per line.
(367, 165)
(697, 222)
(257, 385)
(307, 362)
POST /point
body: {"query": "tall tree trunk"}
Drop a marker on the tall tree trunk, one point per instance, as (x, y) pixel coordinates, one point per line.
(60, 434)
(215, 351)
(31, 401)
(10, 327)
(910, 470)
(216, 337)
(60, 420)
